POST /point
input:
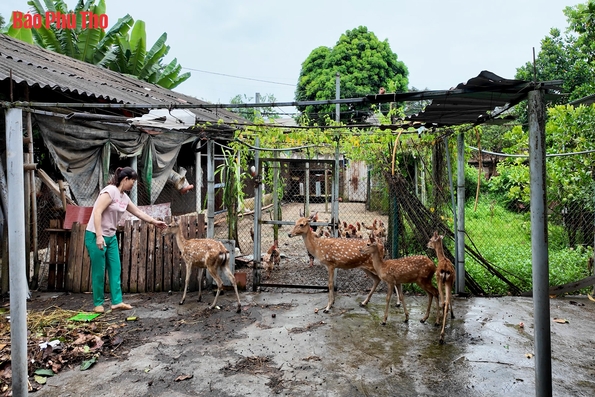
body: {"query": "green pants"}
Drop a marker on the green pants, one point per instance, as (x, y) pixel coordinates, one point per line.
(107, 259)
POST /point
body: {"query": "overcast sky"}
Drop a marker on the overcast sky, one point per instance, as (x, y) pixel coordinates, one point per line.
(243, 47)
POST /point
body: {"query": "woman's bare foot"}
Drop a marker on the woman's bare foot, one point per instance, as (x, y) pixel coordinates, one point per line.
(98, 309)
(121, 306)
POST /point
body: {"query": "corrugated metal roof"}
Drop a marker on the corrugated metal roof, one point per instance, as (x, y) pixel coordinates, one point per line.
(474, 102)
(36, 66)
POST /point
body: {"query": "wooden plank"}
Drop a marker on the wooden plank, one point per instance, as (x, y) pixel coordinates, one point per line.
(191, 234)
(54, 223)
(168, 250)
(159, 263)
(142, 257)
(134, 257)
(78, 259)
(69, 278)
(200, 226)
(60, 260)
(569, 287)
(150, 285)
(86, 284)
(45, 178)
(126, 247)
(61, 283)
(177, 259)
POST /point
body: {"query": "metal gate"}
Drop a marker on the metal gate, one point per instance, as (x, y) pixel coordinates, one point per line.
(305, 187)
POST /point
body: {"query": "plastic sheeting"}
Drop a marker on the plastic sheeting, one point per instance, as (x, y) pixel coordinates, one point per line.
(77, 146)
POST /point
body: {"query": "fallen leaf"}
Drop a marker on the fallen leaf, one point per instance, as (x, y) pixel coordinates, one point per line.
(131, 318)
(40, 379)
(183, 377)
(591, 297)
(87, 364)
(44, 372)
(561, 320)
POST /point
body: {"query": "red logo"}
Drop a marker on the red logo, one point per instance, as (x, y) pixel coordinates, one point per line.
(89, 20)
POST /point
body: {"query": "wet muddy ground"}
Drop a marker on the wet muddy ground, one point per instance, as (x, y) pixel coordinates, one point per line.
(280, 345)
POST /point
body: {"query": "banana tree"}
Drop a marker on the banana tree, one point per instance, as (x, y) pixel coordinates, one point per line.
(129, 55)
(114, 49)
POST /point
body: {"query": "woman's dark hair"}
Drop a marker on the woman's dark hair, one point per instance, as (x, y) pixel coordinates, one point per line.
(121, 173)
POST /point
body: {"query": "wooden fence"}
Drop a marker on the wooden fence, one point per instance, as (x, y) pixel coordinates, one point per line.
(151, 262)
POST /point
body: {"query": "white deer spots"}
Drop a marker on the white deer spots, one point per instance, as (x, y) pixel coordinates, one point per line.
(335, 253)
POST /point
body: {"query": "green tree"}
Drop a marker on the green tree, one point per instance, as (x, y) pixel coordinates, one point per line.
(114, 49)
(364, 63)
(253, 114)
(570, 181)
(1, 22)
(581, 19)
(561, 58)
(129, 55)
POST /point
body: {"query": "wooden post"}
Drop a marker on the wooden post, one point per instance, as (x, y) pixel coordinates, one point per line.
(33, 198)
(62, 193)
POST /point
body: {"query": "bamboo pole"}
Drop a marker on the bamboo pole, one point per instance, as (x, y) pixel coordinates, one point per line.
(33, 198)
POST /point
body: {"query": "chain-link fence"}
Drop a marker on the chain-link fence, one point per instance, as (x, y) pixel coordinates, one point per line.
(410, 206)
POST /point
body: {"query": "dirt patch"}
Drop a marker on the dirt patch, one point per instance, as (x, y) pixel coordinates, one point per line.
(257, 366)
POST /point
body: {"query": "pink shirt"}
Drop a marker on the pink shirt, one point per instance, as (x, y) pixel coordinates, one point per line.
(112, 214)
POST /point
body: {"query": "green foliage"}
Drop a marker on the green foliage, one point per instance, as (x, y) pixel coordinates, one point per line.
(581, 19)
(570, 178)
(491, 227)
(231, 174)
(114, 49)
(512, 184)
(364, 63)
(253, 114)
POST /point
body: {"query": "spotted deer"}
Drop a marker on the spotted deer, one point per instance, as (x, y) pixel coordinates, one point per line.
(417, 269)
(336, 253)
(445, 277)
(203, 253)
(271, 258)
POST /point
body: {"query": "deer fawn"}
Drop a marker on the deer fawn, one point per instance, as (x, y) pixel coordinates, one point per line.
(203, 253)
(417, 269)
(271, 258)
(445, 276)
(335, 253)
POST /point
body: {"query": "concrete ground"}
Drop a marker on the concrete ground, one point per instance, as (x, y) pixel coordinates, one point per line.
(283, 347)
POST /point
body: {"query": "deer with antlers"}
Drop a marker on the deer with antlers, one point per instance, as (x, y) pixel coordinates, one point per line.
(417, 269)
(445, 276)
(203, 253)
(336, 253)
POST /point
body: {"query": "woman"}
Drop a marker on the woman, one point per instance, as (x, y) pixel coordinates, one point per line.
(103, 246)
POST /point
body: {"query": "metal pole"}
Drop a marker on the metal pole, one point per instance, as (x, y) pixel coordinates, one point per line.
(134, 190)
(460, 269)
(335, 195)
(257, 214)
(539, 245)
(198, 182)
(307, 190)
(275, 196)
(335, 202)
(452, 196)
(210, 188)
(326, 188)
(16, 249)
